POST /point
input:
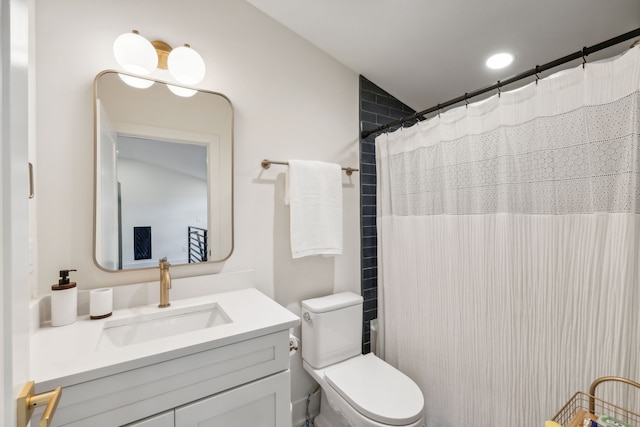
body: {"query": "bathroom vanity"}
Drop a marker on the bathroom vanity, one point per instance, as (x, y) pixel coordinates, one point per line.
(221, 360)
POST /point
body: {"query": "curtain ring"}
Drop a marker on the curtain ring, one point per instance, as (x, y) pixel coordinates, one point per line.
(466, 99)
(499, 91)
(584, 56)
(438, 110)
(537, 76)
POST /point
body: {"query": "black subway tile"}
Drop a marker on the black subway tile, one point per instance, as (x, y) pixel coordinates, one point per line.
(368, 179)
(370, 283)
(370, 242)
(368, 158)
(371, 304)
(369, 273)
(397, 113)
(368, 231)
(371, 138)
(369, 200)
(371, 314)
(368, 86)
(366, 348)
(368, 211)
(366, 116)
(366, 95)
(369, 252)
(369, 221)
(384, 118)
(368, 148)
(389, 101)
(369, 262)
(368, 189)
(370, 293)
(374, 108)
(366, 126)
(377, 107)
(369, 168)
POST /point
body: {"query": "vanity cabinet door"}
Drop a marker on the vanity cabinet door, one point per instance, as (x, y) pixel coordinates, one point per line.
(165, 419)
(262, 403)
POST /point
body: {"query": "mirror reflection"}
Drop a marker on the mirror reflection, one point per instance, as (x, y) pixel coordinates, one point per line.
(163, 175)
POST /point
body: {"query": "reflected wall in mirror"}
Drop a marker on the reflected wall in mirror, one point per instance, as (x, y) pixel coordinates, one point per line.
(163, 175)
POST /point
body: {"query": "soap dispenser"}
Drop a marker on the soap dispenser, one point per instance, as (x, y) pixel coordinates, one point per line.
(64, 301)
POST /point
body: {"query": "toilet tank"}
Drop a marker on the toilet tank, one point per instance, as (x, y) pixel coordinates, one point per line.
(331, 329)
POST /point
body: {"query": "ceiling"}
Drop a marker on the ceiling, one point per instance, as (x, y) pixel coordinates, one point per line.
(426, 52)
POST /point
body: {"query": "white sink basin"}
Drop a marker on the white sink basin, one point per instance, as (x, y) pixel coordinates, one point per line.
(164, 323)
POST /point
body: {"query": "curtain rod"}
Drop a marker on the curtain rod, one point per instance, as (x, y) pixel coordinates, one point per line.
(532, 72)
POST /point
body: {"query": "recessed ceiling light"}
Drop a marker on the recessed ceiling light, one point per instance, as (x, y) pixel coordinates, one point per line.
(499, 60)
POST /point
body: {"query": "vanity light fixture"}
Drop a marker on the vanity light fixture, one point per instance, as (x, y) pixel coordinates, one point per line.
(137, 55)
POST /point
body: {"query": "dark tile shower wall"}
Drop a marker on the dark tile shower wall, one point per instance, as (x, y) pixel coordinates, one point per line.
(377, 107)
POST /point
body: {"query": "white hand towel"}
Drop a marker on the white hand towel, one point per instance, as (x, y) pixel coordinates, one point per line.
(314, 195)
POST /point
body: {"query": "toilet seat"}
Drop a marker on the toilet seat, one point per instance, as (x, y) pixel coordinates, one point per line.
(376, 390)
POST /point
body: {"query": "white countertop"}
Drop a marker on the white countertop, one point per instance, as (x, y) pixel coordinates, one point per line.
(66, 355)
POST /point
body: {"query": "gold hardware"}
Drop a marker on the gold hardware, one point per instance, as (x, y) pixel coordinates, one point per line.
(165, 283)
(597, 382)
(28, 401)
(266, 164)
(163, 50)
(349, 170)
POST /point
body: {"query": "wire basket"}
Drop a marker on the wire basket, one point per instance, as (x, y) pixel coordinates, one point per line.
(583, 405)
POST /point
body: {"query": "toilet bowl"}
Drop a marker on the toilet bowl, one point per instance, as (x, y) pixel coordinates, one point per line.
(357, 390)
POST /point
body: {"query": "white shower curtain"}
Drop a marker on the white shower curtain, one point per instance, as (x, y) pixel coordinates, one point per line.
(509, 240)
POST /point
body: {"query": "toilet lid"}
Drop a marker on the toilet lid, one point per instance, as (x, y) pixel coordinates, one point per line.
(377, 390)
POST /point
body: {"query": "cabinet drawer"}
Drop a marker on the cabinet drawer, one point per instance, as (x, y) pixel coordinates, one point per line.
(262, 403)
(133, 395)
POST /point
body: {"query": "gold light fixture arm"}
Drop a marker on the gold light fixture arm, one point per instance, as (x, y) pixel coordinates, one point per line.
(28, 401)
(163, 50)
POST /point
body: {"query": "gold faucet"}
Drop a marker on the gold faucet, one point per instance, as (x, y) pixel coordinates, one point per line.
(165, 283)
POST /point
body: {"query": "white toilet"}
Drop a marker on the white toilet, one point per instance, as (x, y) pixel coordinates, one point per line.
(357, 390)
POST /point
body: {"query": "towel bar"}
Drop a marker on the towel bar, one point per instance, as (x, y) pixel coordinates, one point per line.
(267, 164)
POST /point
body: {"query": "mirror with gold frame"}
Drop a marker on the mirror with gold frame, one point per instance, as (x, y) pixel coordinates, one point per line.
(163, 173)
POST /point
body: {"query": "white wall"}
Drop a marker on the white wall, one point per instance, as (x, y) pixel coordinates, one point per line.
(290, 99)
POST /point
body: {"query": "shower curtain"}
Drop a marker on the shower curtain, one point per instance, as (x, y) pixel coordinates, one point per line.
(508, 236)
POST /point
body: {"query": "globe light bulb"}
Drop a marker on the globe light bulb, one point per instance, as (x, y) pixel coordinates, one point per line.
(186, 65)
(135, 54)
